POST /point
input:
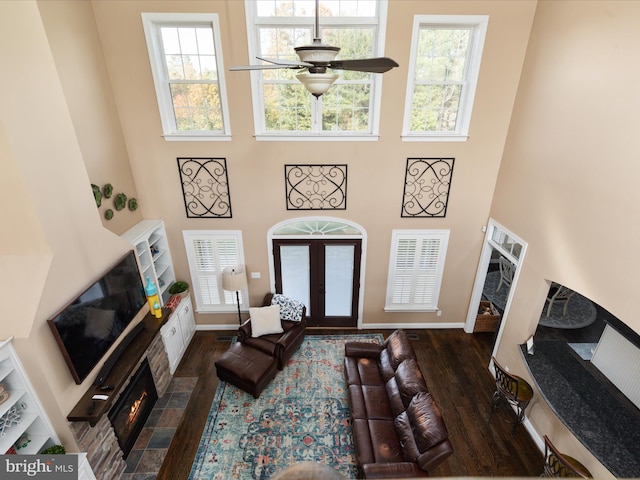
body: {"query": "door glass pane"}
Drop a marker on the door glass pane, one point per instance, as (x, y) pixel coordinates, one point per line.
(338, 279)
(294, 261)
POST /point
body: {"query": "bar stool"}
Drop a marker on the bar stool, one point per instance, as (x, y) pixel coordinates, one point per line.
(558, 464)
(515, 390)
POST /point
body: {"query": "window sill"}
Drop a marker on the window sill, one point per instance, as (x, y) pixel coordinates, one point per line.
(411, 309)
(281, 137)
(196, 138)
(435, 138)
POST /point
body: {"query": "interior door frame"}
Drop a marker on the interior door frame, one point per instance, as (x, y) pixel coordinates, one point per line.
(488, 246)
(361, 234)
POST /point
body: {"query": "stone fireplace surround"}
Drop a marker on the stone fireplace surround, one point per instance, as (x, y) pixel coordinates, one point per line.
(97, 438)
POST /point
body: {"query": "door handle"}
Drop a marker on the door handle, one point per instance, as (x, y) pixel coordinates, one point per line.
(321, 289)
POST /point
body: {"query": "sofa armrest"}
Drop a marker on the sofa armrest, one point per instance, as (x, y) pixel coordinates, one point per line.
(435, 455)
(393, 470)
(362, 349)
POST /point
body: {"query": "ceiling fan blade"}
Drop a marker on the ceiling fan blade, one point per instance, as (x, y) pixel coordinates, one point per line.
(256, 67)
(371, 65)
(286, 63)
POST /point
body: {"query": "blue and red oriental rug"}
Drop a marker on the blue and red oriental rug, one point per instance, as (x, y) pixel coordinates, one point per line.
(302, 416)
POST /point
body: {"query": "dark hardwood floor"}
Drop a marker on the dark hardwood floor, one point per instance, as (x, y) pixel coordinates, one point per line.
(454, 364)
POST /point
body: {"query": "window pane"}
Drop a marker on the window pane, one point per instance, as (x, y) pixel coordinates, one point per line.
(196, 106)
(346, 108)
(441, 55)
(435, 108)
(286, 107)
(338, 279)
(294, 260)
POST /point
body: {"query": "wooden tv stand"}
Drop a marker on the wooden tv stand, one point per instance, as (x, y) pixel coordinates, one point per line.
(89, 410)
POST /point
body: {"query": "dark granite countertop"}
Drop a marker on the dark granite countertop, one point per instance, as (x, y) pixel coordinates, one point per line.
(592, 408)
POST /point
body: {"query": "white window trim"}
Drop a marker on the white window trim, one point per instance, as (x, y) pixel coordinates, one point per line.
(480, 23)
(224, 307)
(397, 235)
(150, 22)
(376, 86)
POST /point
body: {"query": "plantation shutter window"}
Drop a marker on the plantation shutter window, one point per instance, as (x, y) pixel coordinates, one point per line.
(415, 270)
(208, 253)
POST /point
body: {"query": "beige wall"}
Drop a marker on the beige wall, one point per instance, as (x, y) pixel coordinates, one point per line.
(568, 180)
(376, 169)
(58, 242)
(68, 118)
(77, 53)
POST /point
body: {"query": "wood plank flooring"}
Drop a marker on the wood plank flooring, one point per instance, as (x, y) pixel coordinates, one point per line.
(454, 364)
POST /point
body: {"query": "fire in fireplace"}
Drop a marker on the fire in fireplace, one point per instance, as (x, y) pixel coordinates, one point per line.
(133, 407)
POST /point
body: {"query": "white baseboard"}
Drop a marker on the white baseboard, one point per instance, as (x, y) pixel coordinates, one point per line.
(373, 326)
(409, 326)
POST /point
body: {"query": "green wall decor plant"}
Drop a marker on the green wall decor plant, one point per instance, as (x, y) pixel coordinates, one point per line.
(120, 201)
(96, 194)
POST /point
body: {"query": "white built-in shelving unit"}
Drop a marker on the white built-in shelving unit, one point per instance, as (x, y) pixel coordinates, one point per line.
(23, 421)
(149, 238)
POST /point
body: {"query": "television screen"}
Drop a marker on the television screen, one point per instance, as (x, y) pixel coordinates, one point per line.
(91, 324)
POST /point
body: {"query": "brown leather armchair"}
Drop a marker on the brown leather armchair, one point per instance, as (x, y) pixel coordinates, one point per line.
(283, 345)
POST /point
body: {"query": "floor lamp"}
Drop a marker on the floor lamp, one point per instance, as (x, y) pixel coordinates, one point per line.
(234, 279)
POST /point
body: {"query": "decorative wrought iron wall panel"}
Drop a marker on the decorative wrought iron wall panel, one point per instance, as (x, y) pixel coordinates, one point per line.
(426, 187)
(205, 187)
(316, 187)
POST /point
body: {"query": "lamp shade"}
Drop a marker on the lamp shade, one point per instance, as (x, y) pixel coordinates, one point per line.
(234, 278)
(317, 83)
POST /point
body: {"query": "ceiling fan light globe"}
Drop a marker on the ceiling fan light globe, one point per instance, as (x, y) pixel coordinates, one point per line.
(317, 83)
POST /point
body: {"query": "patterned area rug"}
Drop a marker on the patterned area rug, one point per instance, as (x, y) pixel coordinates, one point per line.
(302, 416)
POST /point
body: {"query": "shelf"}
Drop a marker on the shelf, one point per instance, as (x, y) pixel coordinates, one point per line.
(14, 397)
(5, 371)
(146, 236)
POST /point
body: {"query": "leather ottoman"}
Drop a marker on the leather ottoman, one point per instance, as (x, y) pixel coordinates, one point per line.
(247, 368)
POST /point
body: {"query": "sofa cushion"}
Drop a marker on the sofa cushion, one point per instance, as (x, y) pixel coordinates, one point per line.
(407, 440)
(362, 371)
(290, 309)
(376, 441)
(410, 380)
(426, 421)
(395, 401)
(265, 320)
(399, 348)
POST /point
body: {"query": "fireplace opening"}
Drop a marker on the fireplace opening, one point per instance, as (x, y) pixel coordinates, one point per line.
(132, 409)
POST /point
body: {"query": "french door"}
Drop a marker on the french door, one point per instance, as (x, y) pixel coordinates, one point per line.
(324, 274)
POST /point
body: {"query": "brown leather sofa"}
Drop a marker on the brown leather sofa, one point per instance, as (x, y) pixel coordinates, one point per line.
(283, 345)
(398, 429)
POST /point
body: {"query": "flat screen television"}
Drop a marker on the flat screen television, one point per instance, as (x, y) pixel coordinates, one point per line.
(87, 327)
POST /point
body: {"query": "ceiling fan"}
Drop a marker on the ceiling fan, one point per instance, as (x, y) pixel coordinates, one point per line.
(316, 59)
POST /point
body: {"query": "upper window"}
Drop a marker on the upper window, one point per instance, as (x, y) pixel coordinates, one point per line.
(415, 269)
(443, 72)
(282, 106)
(186, 62)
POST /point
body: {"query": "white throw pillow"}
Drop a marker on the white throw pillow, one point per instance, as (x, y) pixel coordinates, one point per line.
(265, 320)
